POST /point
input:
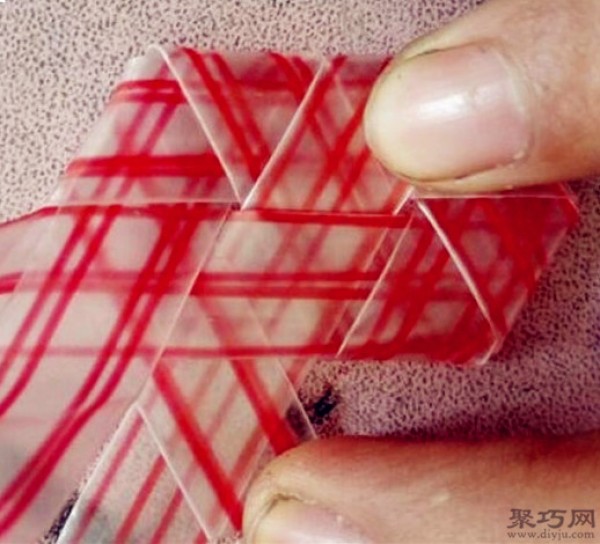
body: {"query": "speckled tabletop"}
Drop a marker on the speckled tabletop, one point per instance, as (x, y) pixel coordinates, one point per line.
(58, 61)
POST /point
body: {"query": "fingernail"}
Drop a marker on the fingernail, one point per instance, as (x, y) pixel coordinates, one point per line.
(448, 114)
(290, 521)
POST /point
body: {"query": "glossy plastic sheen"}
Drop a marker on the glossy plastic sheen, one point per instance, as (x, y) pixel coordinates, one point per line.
(223, 227)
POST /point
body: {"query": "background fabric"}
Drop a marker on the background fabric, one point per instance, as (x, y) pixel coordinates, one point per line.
(58, 63)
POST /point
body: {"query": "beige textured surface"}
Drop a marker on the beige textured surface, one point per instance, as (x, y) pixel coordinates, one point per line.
(58, 61)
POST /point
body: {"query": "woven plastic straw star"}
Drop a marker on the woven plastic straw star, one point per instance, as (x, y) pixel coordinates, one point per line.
(223, 227)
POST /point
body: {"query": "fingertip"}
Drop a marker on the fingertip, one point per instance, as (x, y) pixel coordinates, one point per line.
(296, 499)
(448, 114)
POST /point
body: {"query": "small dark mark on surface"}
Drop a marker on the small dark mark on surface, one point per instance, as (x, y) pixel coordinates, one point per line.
(60, 521)
(323, 406)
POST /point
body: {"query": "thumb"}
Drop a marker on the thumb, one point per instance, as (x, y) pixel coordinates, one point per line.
(508, 95)
(358, 490)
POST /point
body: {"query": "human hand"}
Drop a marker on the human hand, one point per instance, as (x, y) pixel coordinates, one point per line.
(506, 96)
(365, 490)
(502, 98)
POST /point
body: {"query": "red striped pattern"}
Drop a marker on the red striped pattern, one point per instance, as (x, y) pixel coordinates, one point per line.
(223, 227)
